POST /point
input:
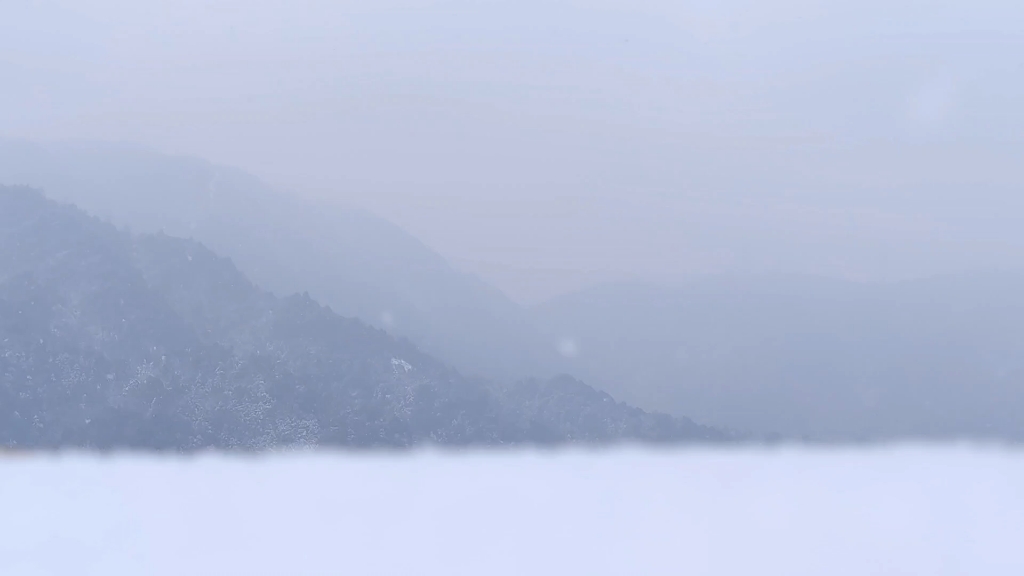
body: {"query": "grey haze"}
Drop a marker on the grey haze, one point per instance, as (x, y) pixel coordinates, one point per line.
(798, 217)
(551, 144)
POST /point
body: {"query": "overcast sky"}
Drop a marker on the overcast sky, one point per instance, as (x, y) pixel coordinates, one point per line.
(549, 143)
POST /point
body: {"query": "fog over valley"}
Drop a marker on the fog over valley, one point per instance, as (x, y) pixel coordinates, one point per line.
(651, 142)
(800, 512)
(511, 286)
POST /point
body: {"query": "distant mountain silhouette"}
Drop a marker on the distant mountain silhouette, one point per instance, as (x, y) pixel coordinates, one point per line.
(359, 264)
(811, 358)
(109, 339)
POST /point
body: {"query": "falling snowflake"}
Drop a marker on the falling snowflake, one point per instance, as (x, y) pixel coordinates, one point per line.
(568, 347)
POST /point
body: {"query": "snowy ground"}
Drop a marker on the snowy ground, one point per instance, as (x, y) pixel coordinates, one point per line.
(910, 510)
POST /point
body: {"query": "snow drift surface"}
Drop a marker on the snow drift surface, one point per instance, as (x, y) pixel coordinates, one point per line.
(905, 510)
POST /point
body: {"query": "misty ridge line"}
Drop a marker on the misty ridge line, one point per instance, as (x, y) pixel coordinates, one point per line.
(113, 340)
(621, 130)
(710, 287)
(376, 271)
(778, 355)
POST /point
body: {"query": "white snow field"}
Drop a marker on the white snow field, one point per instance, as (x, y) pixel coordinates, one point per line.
(906, 510)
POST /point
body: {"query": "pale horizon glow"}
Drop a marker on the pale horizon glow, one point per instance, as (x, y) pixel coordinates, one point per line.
(937, 510)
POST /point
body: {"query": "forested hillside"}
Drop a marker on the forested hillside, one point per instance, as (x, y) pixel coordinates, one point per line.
(109, 339)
